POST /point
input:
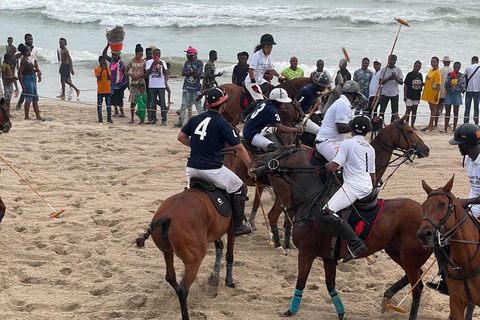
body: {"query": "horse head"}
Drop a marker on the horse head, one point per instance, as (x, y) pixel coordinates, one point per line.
(398, 135)
(439, 216)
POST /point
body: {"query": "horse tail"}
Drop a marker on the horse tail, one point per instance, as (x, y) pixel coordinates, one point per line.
(164, 222)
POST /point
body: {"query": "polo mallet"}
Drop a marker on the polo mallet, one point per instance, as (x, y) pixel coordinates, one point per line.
(402, 23)
(124, 181)
(55, 212)
(397, 307)
(346, 54)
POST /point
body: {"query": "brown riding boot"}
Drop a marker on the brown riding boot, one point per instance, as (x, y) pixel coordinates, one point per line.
(238, 212)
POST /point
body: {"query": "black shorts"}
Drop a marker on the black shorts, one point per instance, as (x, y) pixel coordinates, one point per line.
(64, 71)
(117, 95)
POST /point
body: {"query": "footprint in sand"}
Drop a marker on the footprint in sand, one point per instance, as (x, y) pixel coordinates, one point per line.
(66, 271)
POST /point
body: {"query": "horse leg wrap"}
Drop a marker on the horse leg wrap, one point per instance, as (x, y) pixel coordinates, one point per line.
(337, 301)
(297, 298)
(288, 235)
(253, 214)
(229, 271)
(396, 287)
(276, 237)
(414, 309)
(1, 216)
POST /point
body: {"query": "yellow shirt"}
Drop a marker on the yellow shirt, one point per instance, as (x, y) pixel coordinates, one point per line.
(433, 81)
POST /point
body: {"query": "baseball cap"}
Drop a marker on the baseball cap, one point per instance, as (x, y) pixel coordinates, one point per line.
(377, 60)
(216, 96)
(191, 50)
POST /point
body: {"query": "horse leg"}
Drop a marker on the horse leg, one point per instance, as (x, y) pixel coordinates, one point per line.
(230, 244)
(214, 278)
(256, 203)
(330, 267)
(170, 277)
(273, 216)
(457, 309)
(305, 261)
(289, 216)
(469, 312)
(390, 292)
(191, 270)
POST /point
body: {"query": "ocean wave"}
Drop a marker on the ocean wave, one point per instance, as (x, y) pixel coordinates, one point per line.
(187, 15)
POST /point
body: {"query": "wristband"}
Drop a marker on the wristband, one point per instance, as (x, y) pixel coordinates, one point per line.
(252, 81)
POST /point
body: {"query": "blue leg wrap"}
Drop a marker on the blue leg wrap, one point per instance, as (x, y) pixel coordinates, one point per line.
(337, 301)
(297, 298)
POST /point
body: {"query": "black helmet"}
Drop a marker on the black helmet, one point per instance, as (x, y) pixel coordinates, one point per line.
(468, 133)
(361, 124)
(217, 96)
(267, 39)
(351, 86)
(322, 79)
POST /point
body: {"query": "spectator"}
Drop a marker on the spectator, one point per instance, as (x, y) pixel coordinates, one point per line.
(66, 68)
(374, 85)
(26, 76)
(13, 62)
(473, 90)
(148, 56)
(33, 60)
(209, 75)
(343, 75)
(454, 85)
(118, 80)
(293, 72)
(102, 73)
(431, 91)
(168, 76)
(412, 91)
(8, 77)
(142, 104)
(389, 92)
(320, 65)
(137, 71)
(156, 87)
(192, 71)
(363, 76)
(444, 71)
(240, 71)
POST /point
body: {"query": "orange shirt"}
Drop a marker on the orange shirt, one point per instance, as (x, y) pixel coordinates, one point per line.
(103, 86)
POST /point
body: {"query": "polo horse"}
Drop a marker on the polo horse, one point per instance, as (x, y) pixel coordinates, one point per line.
(447, 223)
(397, 140)
(390, 232)
(5, 123)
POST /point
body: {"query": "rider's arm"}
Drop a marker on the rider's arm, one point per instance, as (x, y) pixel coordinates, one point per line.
(332, 166)
(184, 139)
(374, 179)
(342, 127)
(282, 128)
(469, 201)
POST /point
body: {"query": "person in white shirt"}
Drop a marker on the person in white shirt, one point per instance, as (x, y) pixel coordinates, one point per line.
(473, 90)
(260, 64)
(157, 86)
(374, 84)
(335, 123)
(357, 157)
(389, 91)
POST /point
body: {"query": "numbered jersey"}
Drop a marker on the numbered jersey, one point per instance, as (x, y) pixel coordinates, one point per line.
(208, 133)
(265, 114)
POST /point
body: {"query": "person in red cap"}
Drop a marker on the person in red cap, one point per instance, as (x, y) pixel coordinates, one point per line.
(206, 135)
(192, 71)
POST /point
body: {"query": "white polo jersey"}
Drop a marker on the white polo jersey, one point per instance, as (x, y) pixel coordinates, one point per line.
(474, 82)
(339, 112)
(260, 63)
(473, 171)
(374, 84)
(357, 157)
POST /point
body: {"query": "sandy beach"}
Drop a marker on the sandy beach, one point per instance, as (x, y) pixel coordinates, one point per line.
(84, 265)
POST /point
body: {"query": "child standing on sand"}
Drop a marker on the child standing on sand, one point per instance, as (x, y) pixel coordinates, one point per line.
(142, 104)
(102, 73)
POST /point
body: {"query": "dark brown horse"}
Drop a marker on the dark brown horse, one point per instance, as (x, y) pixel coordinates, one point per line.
(445, 223)
(5, 123)
(185, 231)
(397, 138)
(391, 233)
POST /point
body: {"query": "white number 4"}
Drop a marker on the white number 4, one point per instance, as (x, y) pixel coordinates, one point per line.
(201, 129)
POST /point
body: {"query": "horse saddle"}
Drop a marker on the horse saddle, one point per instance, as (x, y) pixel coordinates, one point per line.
(245, 98)
(220, 198)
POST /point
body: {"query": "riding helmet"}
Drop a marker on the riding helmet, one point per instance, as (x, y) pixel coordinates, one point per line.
(322, 79)
(351, 86)
(280, 95)
(216, 96)
(468, 133)
(361, 124)
(267, 39)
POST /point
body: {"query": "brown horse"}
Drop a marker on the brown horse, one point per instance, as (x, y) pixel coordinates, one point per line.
(185, 231)
(5, 123)
(391, 233)
(445, 223)
(233, 109)
(397, 138)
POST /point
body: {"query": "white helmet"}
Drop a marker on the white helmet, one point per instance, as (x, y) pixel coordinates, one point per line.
(280, 95)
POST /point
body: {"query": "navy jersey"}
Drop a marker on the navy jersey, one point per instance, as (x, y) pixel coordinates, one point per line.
(265, 114)
(307, 97)
(208, 133)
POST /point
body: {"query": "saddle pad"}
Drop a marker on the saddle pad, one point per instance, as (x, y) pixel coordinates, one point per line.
(245, 99)
(220, 198)
(364, 229)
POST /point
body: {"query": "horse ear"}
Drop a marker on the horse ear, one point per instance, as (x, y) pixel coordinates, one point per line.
(402, 120)
(449, 185)
(426, 187)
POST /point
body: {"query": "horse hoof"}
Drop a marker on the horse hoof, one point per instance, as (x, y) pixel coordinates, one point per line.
(383, 308)
(214, 279)
(341, 316)
(230, 283)
(252, 224)
(281, 251)
(286, 314)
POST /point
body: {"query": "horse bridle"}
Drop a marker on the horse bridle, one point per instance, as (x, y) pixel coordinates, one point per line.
(444, 239)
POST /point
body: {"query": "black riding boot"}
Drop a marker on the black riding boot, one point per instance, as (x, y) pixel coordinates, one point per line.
(238, 210)
(249, 109)
(355, 246)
